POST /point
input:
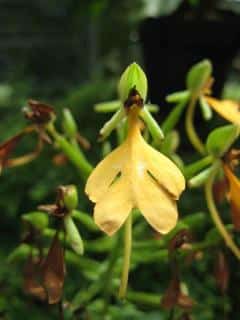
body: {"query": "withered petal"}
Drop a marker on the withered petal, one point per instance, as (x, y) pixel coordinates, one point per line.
(53, 271)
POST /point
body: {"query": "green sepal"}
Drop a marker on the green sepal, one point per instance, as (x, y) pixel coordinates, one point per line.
(109, 106)
(106, 148)
(111, 124)
(178, 96)
(170, 142)
(153, 108)
(200, 178)
(220, 140)
(132, 77)
(152, 125)
(198, 75)
(73, 235)
(37, 219)
(69, 124)
(112, 106)
(205, 109)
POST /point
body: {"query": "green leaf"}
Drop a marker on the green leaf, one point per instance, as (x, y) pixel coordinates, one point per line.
(198, 75)
(37, 219)
(132, 77)
(220, 139)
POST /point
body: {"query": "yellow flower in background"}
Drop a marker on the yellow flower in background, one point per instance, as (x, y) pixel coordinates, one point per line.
(233, 195)
(228, 109)
(135, 176)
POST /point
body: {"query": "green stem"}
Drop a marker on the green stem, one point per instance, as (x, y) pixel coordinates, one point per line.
(127, 256)
(174, 116)
(215, 214)
(189, 125)
(144, 298)
(74, 155)
(194, 168)
(108, 274)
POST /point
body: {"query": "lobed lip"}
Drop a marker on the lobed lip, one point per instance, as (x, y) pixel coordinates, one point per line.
(135, 176)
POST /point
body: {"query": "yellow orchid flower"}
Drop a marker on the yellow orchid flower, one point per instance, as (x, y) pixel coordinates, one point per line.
(135, 176)
(233, 195)
(228, 109)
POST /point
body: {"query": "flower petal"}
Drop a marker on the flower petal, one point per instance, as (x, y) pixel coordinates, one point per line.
(234, 194)
(156, 205)
(163, 170)
(228, 109)
(114, 207)
(105, 173)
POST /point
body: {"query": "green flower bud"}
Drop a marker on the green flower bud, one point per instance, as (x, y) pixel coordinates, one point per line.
(198, 75)
(19, 253)
(68, 124)
(70, 197)
(206, 110)
(37, 219)
(132, 78)
(221, 139)
(73, 235)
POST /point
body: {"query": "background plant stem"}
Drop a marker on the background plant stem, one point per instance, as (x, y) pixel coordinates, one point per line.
(215, 214)
(189, 125)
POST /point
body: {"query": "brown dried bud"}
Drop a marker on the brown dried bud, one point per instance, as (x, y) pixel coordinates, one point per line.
(53, 272)
(170, 298)
(221, 272)
(60, 159)
(39, 113)
(7, 148)
(180, 238)
(32, 285)
(66, 201)
(174, 297)
(220, 189)
(185, 316)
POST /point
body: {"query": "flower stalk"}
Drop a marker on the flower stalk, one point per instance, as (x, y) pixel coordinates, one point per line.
(190, 129)
(74, 154)
(215, 214)
(127, 257)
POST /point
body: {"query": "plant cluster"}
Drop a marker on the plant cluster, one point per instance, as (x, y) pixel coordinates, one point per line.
(139, 180)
